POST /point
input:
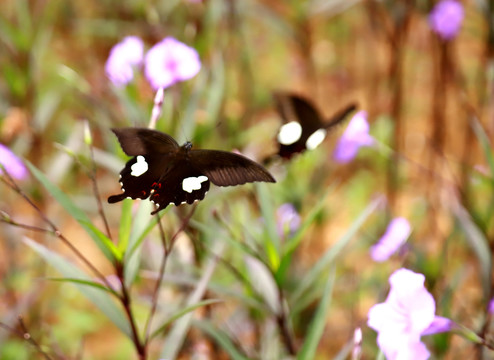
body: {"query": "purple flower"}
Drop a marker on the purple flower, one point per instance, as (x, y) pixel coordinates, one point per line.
(396, 234)
(287, 219)
(355, 136)
(12, 163)
(406, 315)
(446, 18)
(123, 57)
(169, 62)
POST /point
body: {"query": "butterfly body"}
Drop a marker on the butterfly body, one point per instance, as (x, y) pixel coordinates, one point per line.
(171, 174)
(304, 127)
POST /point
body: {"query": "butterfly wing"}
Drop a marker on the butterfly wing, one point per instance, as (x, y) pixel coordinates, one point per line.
(301, 120)
(142, 141)
(228, 169)
(152, 153)
(140, 175)
(340, 116)
(182, 183)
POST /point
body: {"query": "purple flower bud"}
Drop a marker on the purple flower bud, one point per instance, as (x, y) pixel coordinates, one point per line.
(446, 18)
(12, 163)
(439, 324)
(169, 62)
(355, 136)
(287, 219)
(395, 236)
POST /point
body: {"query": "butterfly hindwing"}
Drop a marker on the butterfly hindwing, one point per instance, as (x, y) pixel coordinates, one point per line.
(228, 169)
(139, 176)
(182, 183)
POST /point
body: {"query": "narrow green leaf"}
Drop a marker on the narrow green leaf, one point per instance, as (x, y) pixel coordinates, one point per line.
(272, 240)
(116, 253)
(71, 208)
(84, 282)
(125, 225)
(221, 338)
(479, 244)
(316, 327)
(142, 223)
(333, 252)
(485, 143)
(182, 312)
(98, 297)
(176, 337)
(292, 243)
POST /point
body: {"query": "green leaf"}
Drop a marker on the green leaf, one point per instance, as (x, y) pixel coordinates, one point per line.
(182, 312)
(125, 225)
(222, 338)
(141, 225)
(332, 253)
(116, 253)
(485, 143)
(98, 297)
(316, 327)
(272, 240)
(84, 282)
(72, 209)
(176, 336)
(479, 244)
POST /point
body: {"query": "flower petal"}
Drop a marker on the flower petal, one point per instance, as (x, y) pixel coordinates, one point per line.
(395, 236)
(123, 57)
(169, 62)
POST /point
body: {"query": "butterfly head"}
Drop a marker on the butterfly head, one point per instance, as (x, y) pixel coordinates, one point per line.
(187, 146)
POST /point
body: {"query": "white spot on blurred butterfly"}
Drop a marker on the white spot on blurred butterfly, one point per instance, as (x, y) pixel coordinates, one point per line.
(315, 139)
(193, 183)
(290, 133)
(140, 167)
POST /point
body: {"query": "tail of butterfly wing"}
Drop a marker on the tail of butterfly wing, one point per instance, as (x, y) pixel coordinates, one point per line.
(340, 115)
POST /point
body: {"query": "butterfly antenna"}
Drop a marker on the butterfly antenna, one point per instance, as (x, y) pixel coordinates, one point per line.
(340, 115)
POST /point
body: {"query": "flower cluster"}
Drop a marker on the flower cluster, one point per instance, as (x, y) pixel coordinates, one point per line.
(407, 314)
(166, 63)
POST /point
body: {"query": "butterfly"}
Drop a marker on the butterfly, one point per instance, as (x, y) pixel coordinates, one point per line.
(304, 127)
(171, 174)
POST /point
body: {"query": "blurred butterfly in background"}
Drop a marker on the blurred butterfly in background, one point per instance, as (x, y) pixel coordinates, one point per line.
(171, 174)
(304, 127)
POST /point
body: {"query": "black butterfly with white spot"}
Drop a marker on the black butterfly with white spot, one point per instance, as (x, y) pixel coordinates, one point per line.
(304, 127)
(171, 174)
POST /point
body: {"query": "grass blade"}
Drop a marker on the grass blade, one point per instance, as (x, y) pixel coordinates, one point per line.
(98, 297)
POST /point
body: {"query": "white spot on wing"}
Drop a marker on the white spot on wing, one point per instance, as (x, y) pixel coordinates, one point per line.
(140, 167)
(193, 183)
(315, 139)
(290, 133)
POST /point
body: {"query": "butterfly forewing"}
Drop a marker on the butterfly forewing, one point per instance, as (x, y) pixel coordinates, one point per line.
(142, 141)
(228, 169)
